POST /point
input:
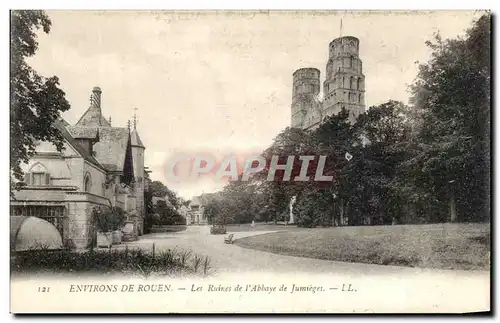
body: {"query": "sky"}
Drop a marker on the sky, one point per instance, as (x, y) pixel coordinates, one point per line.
(221, 82)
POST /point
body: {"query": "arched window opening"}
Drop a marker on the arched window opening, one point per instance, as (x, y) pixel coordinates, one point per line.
(359, 97)
(37, 176)
(350, 62)
(87, 184)
(359, 84)
(351, 82)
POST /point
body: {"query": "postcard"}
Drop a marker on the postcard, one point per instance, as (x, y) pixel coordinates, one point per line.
(252, 161)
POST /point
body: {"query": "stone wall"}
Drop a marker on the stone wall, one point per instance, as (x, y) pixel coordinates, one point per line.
(98, 177)
(79, 211)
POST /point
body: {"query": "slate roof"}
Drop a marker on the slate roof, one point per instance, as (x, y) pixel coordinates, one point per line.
(92, 118)
(112, 147)
(83, 132)
(112, 143)
(64, 122)
(59, 124)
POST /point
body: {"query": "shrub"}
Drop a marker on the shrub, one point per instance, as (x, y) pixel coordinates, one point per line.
(218, 230)
(111, 261)
(108, 219)
(102, 219)
(118, 218)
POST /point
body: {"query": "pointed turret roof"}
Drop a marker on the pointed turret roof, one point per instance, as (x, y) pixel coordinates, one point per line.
(134, 136)
(135, 139)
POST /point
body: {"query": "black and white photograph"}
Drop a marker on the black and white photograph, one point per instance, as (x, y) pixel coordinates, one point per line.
(250, 161)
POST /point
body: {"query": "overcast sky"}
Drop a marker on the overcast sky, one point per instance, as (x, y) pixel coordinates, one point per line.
(222, 82)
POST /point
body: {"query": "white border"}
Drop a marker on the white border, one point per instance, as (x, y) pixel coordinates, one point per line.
(186, 4)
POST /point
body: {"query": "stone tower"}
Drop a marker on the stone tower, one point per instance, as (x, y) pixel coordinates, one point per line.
(344, 84)
(138, 158)
(306, 87)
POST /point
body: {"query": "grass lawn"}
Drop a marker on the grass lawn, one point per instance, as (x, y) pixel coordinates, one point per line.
(443, 246)
(258, 227)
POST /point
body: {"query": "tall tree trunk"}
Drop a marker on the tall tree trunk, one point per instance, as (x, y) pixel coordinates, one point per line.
(341, 212)
(453, 209)
(333, 214)
(412, 210)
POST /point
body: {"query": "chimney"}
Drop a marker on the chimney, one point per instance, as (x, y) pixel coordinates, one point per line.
(96, 97)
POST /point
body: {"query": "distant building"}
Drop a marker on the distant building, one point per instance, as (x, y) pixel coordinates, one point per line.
(100, 165)
(197, 206)
(344, 86)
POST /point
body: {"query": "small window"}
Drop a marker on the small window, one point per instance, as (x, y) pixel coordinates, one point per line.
(37, 178)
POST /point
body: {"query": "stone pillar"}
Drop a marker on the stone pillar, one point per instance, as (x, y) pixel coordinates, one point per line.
(80, 232)
(140, 226)
(129, 231)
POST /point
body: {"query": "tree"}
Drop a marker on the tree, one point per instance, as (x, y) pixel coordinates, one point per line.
(168, 214)
(336, 137)
(385, 130)
(278, 192)
(314, 207)
(452, 95)
(158, 189)
(148, 203)
(219, 213)
(35, 101)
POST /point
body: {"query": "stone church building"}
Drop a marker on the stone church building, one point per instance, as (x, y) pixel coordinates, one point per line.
(100, 166)
(344, 86)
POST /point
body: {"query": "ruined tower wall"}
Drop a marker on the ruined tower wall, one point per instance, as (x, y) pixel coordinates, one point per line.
(306, 86)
